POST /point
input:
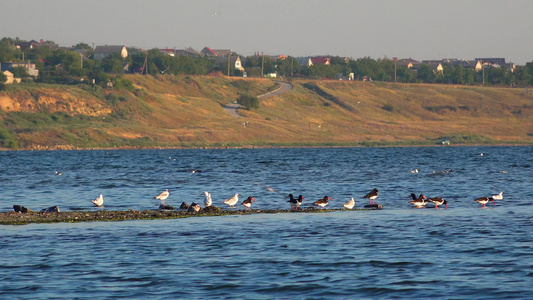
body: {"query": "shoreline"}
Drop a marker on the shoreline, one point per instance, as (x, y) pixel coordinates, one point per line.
(268, 147)
(17, 218)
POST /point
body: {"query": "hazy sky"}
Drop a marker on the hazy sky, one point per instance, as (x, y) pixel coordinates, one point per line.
(421, 29)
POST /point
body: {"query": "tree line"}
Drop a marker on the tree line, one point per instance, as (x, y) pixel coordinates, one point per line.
(69, 67)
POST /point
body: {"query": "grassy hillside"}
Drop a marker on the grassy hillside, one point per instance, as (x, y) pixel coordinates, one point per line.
(185, 111)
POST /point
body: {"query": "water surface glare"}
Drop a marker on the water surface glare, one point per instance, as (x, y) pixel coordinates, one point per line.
(463, 252)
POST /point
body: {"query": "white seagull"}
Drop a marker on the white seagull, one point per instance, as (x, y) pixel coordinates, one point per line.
(98, 201)
(498, 196)
(163, 196)
(350, 204)
(208, 201)
(232, 201)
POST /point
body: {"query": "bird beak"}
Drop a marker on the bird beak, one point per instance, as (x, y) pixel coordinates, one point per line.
(253, 199)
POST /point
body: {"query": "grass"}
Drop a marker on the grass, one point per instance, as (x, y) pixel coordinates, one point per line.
(186, 111)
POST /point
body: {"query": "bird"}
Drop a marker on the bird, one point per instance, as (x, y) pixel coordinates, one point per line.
(59, 173)
(248, 202)
(292, 201)
(98, 201)
(484, 200)
(350, 204)
(299, 201)
(194, 207)
(208, 201)
(232, 201)
(163, 196)
(438, 201)
(372, 196)
(322, 202)
(498, 196)
(414, 171)
(419, 202)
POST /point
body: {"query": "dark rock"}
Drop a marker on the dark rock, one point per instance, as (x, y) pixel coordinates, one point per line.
(165, 206)
(51, 209)
(374, 206)
(184, 205)
(212, 209)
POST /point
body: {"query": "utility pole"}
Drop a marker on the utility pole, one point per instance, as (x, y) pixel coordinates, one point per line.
(229, 60)
(262, 65)
(395, 62)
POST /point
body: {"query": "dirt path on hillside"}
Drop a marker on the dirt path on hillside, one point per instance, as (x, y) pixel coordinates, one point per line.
(232, 108)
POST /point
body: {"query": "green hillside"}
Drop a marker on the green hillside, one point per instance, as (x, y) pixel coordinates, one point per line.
(187, 111)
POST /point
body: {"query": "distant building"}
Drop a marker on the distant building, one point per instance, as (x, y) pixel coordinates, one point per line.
(407, 62)
(101, 52)
(188, 52)
(30, 68)
(215, 52)
(10, 77)
(169, 52)
(235, 61)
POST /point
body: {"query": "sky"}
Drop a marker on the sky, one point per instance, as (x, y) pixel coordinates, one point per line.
(420, 29)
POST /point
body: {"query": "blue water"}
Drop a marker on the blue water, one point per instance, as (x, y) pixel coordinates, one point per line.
(463, 252)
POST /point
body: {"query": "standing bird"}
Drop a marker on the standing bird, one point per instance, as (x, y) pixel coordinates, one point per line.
(372, 196)
(194, 207)
(291, 200)
(208, 201)
(484, 200)
(350, 204)
(163, 196)
(322, 202)
(248, 202)
(295, 203)
(420, 201)
(439, 201)
(232, 201)
(98, 201)
(299, 201)
(498, 196)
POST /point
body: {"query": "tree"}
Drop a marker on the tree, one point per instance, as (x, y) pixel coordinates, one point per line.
(425, 74)
(20, 72)
(3, 77)
(248, 101)
(113, 64)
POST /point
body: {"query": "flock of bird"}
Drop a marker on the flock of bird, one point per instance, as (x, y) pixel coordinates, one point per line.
(418, 202)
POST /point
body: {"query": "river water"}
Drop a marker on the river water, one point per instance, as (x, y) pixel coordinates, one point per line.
(463, 252)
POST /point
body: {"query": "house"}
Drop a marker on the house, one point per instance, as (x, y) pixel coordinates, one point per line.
(309, 61)
(101, 52)
(188, 52)
(169, 52)
(32, 71)
(211, 52)
(11, 78)
(436, 67)
(234, 61)
(407, 62)
(320, 60)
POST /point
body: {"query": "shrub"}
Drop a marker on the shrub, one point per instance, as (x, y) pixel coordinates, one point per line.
(388, 107)
(248, 101)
